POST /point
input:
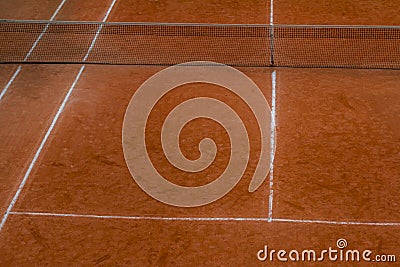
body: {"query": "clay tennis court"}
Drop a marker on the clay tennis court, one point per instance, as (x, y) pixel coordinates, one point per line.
(67, 197)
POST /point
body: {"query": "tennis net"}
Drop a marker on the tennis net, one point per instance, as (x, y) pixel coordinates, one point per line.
(168, 44)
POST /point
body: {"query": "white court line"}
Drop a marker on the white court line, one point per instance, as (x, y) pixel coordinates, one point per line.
(338, 222)
(273, 146)
(152, 218)
(93, 42)
(271, 13)
(271, 23)
(157, 218)
(44, 30)
(10, 82)
(99, 30)
(31, 50)
(55, 119)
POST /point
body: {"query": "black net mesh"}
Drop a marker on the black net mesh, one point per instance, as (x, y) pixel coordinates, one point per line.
(168, 44)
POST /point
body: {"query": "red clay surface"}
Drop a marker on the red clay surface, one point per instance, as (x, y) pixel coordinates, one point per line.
(6, 72)
(187, 11)
(28, 10)
(337, 154)
(90, 242)
(27, 110)
(337, 12)
(90, 10)
(85, 159)
(27, 116)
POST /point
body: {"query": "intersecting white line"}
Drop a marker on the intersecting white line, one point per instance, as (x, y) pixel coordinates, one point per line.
(45, 214)
(159, 218)
(31, 50)
(37, 154)
(45, 138)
